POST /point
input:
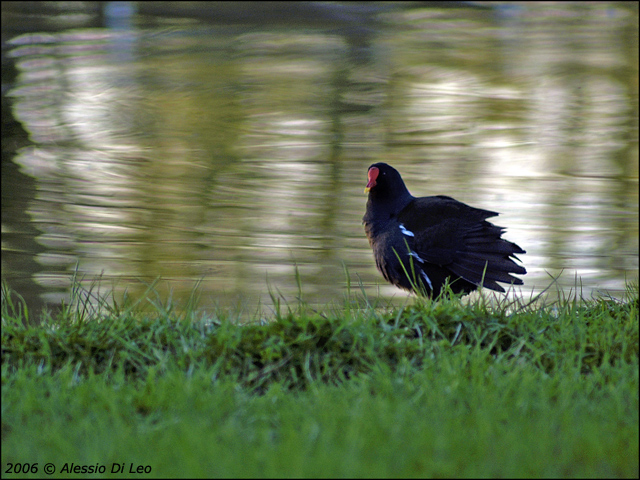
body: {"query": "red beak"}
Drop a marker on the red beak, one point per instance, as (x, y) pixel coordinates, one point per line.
(373, 175)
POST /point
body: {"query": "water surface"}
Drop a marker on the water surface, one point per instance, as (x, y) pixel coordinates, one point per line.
(231, 149)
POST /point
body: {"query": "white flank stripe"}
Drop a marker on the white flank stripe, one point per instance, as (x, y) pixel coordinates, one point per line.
(424, 275)
(416, 256)
(406, 232)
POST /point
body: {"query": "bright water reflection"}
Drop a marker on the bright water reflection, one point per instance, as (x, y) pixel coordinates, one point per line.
(227, 155)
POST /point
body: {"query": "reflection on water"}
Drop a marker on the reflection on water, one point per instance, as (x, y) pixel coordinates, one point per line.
(232, 155)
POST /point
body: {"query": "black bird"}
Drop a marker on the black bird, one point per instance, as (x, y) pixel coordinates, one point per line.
(419, 243)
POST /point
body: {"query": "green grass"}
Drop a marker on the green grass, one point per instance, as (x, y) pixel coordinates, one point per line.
(448, 388)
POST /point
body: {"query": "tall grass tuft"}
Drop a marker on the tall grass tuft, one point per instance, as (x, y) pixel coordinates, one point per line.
(489, 385)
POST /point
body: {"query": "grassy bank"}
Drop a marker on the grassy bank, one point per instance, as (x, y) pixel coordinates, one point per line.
(431, 389)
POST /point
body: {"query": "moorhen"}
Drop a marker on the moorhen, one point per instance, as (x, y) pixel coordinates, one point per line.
(420, 243)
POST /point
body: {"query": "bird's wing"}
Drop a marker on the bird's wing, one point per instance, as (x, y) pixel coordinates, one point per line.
(456, 236)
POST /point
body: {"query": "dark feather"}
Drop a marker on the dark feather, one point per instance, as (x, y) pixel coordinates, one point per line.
(437, 238)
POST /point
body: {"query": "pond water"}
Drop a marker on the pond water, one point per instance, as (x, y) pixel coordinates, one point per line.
(228, 144)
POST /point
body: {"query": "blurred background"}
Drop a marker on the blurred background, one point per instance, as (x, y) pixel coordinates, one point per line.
(228, 142)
